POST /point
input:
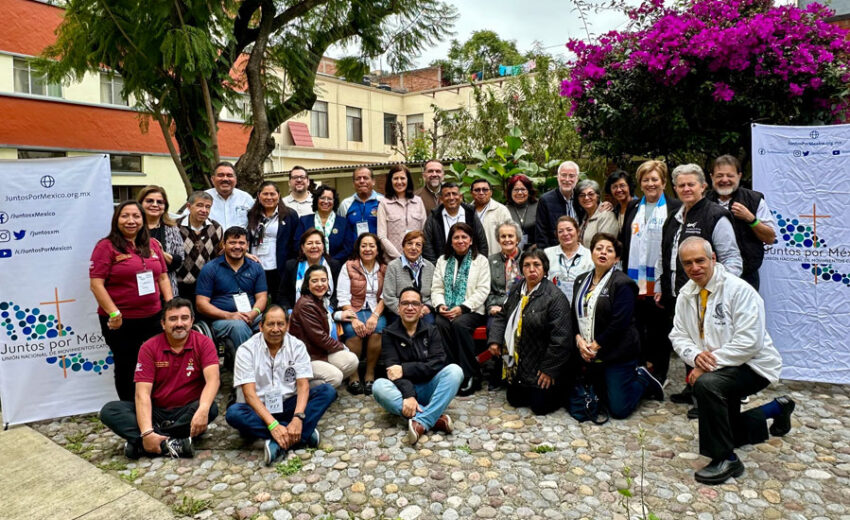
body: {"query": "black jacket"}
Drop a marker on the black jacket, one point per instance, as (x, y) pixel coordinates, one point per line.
(435, 233)
(286, 294)
(420, 357)
(285, 247)
(614, 328)
(751, 246)
(548, 341)
(550, 207)
(672, 206)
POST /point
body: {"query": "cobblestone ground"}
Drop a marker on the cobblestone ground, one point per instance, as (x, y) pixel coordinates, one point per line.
(500, 463)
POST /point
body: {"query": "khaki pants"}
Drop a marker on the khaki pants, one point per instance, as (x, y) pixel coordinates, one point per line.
(339, 366)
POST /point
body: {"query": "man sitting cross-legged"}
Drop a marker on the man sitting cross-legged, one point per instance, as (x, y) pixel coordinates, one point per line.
(419, 385)
(176, 383)
(272, 375)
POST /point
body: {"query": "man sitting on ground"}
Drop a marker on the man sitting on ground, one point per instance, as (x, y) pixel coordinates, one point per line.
(719, 329)
(176, 383)
(232, 289)
(419, 385)
(274, 400)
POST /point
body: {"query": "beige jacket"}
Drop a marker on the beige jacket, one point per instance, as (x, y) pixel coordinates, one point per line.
(397, 217)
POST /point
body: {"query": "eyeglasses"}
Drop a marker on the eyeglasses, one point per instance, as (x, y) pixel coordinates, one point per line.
(154, 202)
(409, 304)
(520, 190)
(587, 195)
(298, 178)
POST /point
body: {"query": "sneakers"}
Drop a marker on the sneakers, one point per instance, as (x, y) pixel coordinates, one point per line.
(654, 389)
(443, 424)
(414, 431)
(130, 451)
(271, 452)
(782, 423)
(178, 448)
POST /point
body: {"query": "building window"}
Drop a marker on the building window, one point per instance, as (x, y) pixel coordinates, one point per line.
(122, 193)
(238, 110)
(354, 124)
(110, 89)
(415, 125)
(390, 137)
(40, 154)
(125, 163)
(28, 81)
(319, 119)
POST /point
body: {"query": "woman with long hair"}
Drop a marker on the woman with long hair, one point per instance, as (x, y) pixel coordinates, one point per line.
(399, 212)
(271, 226)
(163, 229)
(311, 251)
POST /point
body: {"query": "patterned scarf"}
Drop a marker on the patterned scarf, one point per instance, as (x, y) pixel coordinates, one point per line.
(513, 333)
(511, 270)
(326, 228)
(456, 285)
(645, 246)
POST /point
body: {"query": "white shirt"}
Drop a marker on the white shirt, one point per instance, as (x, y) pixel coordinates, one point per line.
(563, 271)
(267, 251)
(449, 221)
(493, 214)
(343, 290)
(254, 364)
(304, 207)
(232, 211)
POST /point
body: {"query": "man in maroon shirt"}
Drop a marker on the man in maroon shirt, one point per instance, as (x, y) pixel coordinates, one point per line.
(176, 383)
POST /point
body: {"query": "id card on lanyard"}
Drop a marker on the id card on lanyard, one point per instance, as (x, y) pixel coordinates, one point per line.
(144, 280)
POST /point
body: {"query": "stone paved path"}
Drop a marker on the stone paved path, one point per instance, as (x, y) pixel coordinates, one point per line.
(500, 463)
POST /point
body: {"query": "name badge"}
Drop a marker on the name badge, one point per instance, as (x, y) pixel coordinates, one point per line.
(145, 283)
(274, 403)
(243, 304)
(362, 227)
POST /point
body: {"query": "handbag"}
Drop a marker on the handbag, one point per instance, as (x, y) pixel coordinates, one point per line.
(584, 405)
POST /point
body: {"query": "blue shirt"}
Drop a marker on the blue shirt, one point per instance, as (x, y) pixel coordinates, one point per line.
(354, 210)
(219, 282)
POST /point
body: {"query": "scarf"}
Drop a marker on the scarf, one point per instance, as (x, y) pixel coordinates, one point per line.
(299, 277)
(585, 304)
(511, 270)
(513, 333)
(260, 230)
(326, 303)
(456, 285)
(326, 228)
(415, 270)
(645, 246)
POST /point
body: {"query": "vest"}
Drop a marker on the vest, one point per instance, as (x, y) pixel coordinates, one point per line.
(752, 248)
(700, 221)
(358, 283)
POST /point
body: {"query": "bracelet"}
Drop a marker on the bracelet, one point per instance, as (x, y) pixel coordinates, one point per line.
(755, 223)
(274, 425)
(146, 433)
(258, 310)
(114, 314)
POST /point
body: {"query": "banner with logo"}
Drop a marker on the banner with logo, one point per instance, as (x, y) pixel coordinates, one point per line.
(804, 173)
(53, 361)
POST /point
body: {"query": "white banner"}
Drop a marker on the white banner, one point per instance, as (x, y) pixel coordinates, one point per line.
(804, 173)
(53, 361)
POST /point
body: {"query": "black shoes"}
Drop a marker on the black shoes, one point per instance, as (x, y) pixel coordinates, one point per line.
(686, 396)
(469, 387)
(355, 387)
(178, 448)
(654, 389)
(131, 452)
(719, 471)
(782, 423)
(693, 413)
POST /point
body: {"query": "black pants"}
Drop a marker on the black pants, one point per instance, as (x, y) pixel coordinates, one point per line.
(654, 325)
(120, 417)
(541, 402)
(722, 426)
(752, 278)
(273, 282)
(125, 343)
(458, 342)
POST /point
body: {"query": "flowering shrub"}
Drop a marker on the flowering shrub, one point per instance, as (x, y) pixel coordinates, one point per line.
(690, 79)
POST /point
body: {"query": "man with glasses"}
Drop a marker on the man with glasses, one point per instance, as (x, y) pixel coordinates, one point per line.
(420, 383)
(556, 203)
(491, 213)
(300, 199)
(230, 204)
(451, 211)
(432, 176)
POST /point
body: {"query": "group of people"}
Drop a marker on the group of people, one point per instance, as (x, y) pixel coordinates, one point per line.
(574, 293)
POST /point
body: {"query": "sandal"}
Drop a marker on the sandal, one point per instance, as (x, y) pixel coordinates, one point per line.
(355, 387)
(368, 388)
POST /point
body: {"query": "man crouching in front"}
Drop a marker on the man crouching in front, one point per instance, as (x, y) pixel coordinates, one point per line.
(176, 383)
(274, 400)
(719, 329)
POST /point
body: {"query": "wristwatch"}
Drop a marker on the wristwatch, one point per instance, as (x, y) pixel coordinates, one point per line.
(300, 415)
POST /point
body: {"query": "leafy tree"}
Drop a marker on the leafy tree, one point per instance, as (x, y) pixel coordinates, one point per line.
(483, 52)
(185, 59)
(688, 80)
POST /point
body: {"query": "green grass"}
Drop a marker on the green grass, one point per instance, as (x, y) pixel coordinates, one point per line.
(466, 449)
(290, 467)
(113, 465)
(74, 443)
(543, 448)
(190, 507)
(131, 476)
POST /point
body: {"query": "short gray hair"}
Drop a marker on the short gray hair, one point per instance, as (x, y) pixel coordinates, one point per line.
(706, 245)
(688, 169)
(569, 164)
(511, 223)
(588, 183)
(198, 195)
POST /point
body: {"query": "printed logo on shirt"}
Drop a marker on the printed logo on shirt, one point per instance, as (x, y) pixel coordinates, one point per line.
(374, 212)
(719, 315)
(289, 375)
(161, 364)
(190, 367)
(121, 258)
(139, 367)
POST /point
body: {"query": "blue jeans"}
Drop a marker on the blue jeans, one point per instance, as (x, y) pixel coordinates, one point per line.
(363, 315)
(237, 330)
(620, 386)
(434, 396)
(242, 417)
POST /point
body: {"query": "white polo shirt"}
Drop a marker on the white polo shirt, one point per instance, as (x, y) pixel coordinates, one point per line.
(254, 364)
(232, 211)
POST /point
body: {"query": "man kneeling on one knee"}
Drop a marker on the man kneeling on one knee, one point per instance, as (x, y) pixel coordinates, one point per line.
(274, 400)
(719, 329)
(176, 383)
(419, 385)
